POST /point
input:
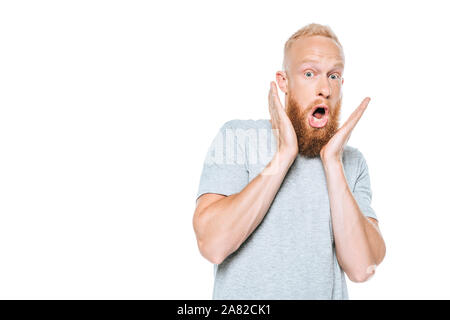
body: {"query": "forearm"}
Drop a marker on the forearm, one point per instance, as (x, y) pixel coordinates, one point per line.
(358, 243)
(227, 223)
(376, 241)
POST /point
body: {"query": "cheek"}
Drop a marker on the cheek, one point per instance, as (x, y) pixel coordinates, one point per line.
(303, 89)
(337, 87)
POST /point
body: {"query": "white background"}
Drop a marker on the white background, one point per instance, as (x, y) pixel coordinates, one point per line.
(107, 109)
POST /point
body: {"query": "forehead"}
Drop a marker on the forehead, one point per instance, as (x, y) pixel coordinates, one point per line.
(317, 48)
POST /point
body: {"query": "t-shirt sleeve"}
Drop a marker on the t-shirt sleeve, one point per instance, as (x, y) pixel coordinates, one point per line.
(225, 166)
(362, 191)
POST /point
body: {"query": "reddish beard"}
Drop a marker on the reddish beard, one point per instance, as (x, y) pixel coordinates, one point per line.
(311, 140)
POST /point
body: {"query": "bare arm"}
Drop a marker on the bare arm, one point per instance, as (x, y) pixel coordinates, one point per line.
(222, 224)
(225, 224)
(360, 248)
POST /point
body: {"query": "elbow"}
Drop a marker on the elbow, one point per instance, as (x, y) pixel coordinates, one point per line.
(381, 254)
(363, 275)
(209, 254)
(358, 278)
(362, 272)
(205, 245)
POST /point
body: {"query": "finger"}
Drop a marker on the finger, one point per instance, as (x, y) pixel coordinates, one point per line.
(269, 97)
(272, 111)
(278, 108)
(272, 101)
(273, 118)
(276, 98)
(356, 115)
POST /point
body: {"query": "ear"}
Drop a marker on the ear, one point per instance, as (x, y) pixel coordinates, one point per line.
(282, 81)
(342, 81)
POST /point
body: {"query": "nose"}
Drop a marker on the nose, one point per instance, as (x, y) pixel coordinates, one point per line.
(324, 88)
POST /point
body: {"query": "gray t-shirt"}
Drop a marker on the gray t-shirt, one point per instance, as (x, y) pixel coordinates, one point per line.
(291, 253)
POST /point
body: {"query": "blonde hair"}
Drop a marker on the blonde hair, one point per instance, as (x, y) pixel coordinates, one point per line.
(312, 29)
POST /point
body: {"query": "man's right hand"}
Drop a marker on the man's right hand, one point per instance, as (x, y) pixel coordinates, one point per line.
(283, 130)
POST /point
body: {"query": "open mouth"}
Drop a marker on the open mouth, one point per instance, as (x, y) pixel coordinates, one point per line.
(318, 117)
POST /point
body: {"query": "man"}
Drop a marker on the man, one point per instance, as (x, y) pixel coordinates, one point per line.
(291, 226)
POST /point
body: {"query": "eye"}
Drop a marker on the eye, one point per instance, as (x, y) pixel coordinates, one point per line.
(309, 74)
(335, 76)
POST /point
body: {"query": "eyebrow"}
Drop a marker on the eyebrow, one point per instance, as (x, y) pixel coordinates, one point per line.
(339, 64)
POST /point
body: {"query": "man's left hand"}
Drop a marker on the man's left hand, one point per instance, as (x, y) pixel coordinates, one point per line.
(332, 151)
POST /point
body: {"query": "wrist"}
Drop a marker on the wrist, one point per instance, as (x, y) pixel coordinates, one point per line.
(286, 157)
(279, 164)
(331, 164)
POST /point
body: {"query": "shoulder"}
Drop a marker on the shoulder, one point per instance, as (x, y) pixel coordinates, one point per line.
(246, 124)
(352, 153)
(353, 157)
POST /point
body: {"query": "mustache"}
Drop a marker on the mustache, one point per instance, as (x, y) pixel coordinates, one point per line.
(305, 109)
(317, 102)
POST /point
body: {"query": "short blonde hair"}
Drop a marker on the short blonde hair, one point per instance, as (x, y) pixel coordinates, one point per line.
(312, 29)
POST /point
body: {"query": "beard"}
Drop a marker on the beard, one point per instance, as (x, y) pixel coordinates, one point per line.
(310, 139)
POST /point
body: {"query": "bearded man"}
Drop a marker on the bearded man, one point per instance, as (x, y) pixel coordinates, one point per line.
(291, 225)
